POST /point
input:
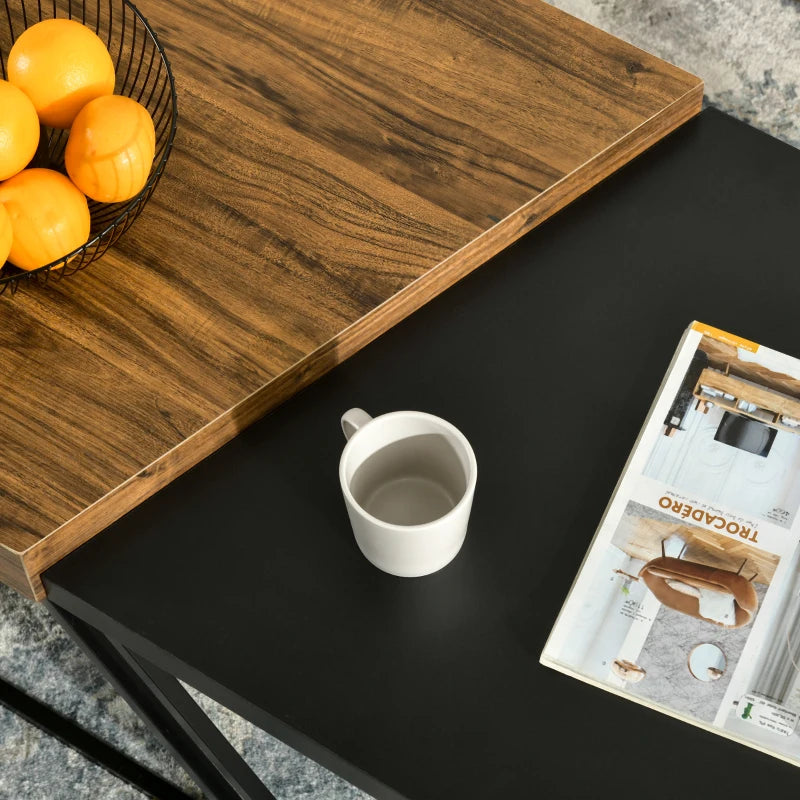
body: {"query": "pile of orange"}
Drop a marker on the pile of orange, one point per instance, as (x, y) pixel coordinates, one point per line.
(60, 75)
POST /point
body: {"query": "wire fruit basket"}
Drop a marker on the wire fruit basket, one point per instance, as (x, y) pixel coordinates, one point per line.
(142, 73)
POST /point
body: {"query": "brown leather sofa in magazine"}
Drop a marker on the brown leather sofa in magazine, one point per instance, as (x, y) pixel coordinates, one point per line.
(657, 572)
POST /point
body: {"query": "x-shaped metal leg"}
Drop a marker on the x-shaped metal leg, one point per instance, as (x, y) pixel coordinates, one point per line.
(170, 712)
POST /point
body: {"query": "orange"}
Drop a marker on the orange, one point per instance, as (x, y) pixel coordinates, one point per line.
(5, 235)
(61, 65)
(19, 130)
(110, 148)
(49, 217)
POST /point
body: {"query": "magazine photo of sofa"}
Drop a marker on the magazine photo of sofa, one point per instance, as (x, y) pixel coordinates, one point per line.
(667, 611)
(732, 433)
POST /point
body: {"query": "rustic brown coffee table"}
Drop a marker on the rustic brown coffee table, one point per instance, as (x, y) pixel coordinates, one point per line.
(336, 165)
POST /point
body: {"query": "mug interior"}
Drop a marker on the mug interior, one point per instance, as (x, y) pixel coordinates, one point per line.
(407, 468)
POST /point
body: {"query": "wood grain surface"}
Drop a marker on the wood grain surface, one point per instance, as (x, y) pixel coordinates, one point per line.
(725, 357)
(337, 164)
(768, 400)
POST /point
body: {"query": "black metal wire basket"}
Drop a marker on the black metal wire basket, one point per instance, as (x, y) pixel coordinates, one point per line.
(142, 72)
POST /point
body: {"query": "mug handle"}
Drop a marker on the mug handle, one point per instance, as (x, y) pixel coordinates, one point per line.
(352, 420)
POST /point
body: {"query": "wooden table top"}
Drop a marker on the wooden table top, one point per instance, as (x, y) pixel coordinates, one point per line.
(337, 164)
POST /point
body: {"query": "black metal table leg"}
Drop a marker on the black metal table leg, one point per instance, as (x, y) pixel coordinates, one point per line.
(88, 745)
(170, 712)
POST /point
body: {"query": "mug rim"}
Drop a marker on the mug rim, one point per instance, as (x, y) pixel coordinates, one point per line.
(465, 497)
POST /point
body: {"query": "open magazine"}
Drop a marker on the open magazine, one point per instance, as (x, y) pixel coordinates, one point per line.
(688, 599)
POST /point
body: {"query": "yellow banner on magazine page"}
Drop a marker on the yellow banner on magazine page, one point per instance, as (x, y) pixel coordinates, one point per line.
(724, 336)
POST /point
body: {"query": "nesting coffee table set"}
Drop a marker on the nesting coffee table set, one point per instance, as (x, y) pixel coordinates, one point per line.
(180, 507)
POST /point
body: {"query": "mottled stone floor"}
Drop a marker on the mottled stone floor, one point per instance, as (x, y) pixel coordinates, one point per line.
(748, 52)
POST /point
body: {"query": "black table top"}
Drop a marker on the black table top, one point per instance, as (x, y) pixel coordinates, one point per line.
(243, 578)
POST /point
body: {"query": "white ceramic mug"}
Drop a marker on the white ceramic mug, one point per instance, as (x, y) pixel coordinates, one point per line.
(408, 480)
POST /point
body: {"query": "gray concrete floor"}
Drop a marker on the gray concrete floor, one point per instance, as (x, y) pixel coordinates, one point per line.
(748, 52)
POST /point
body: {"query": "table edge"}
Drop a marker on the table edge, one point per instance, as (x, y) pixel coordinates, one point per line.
(22, 569)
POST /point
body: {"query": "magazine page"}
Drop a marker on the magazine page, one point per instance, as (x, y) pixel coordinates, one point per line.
(688, 599)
